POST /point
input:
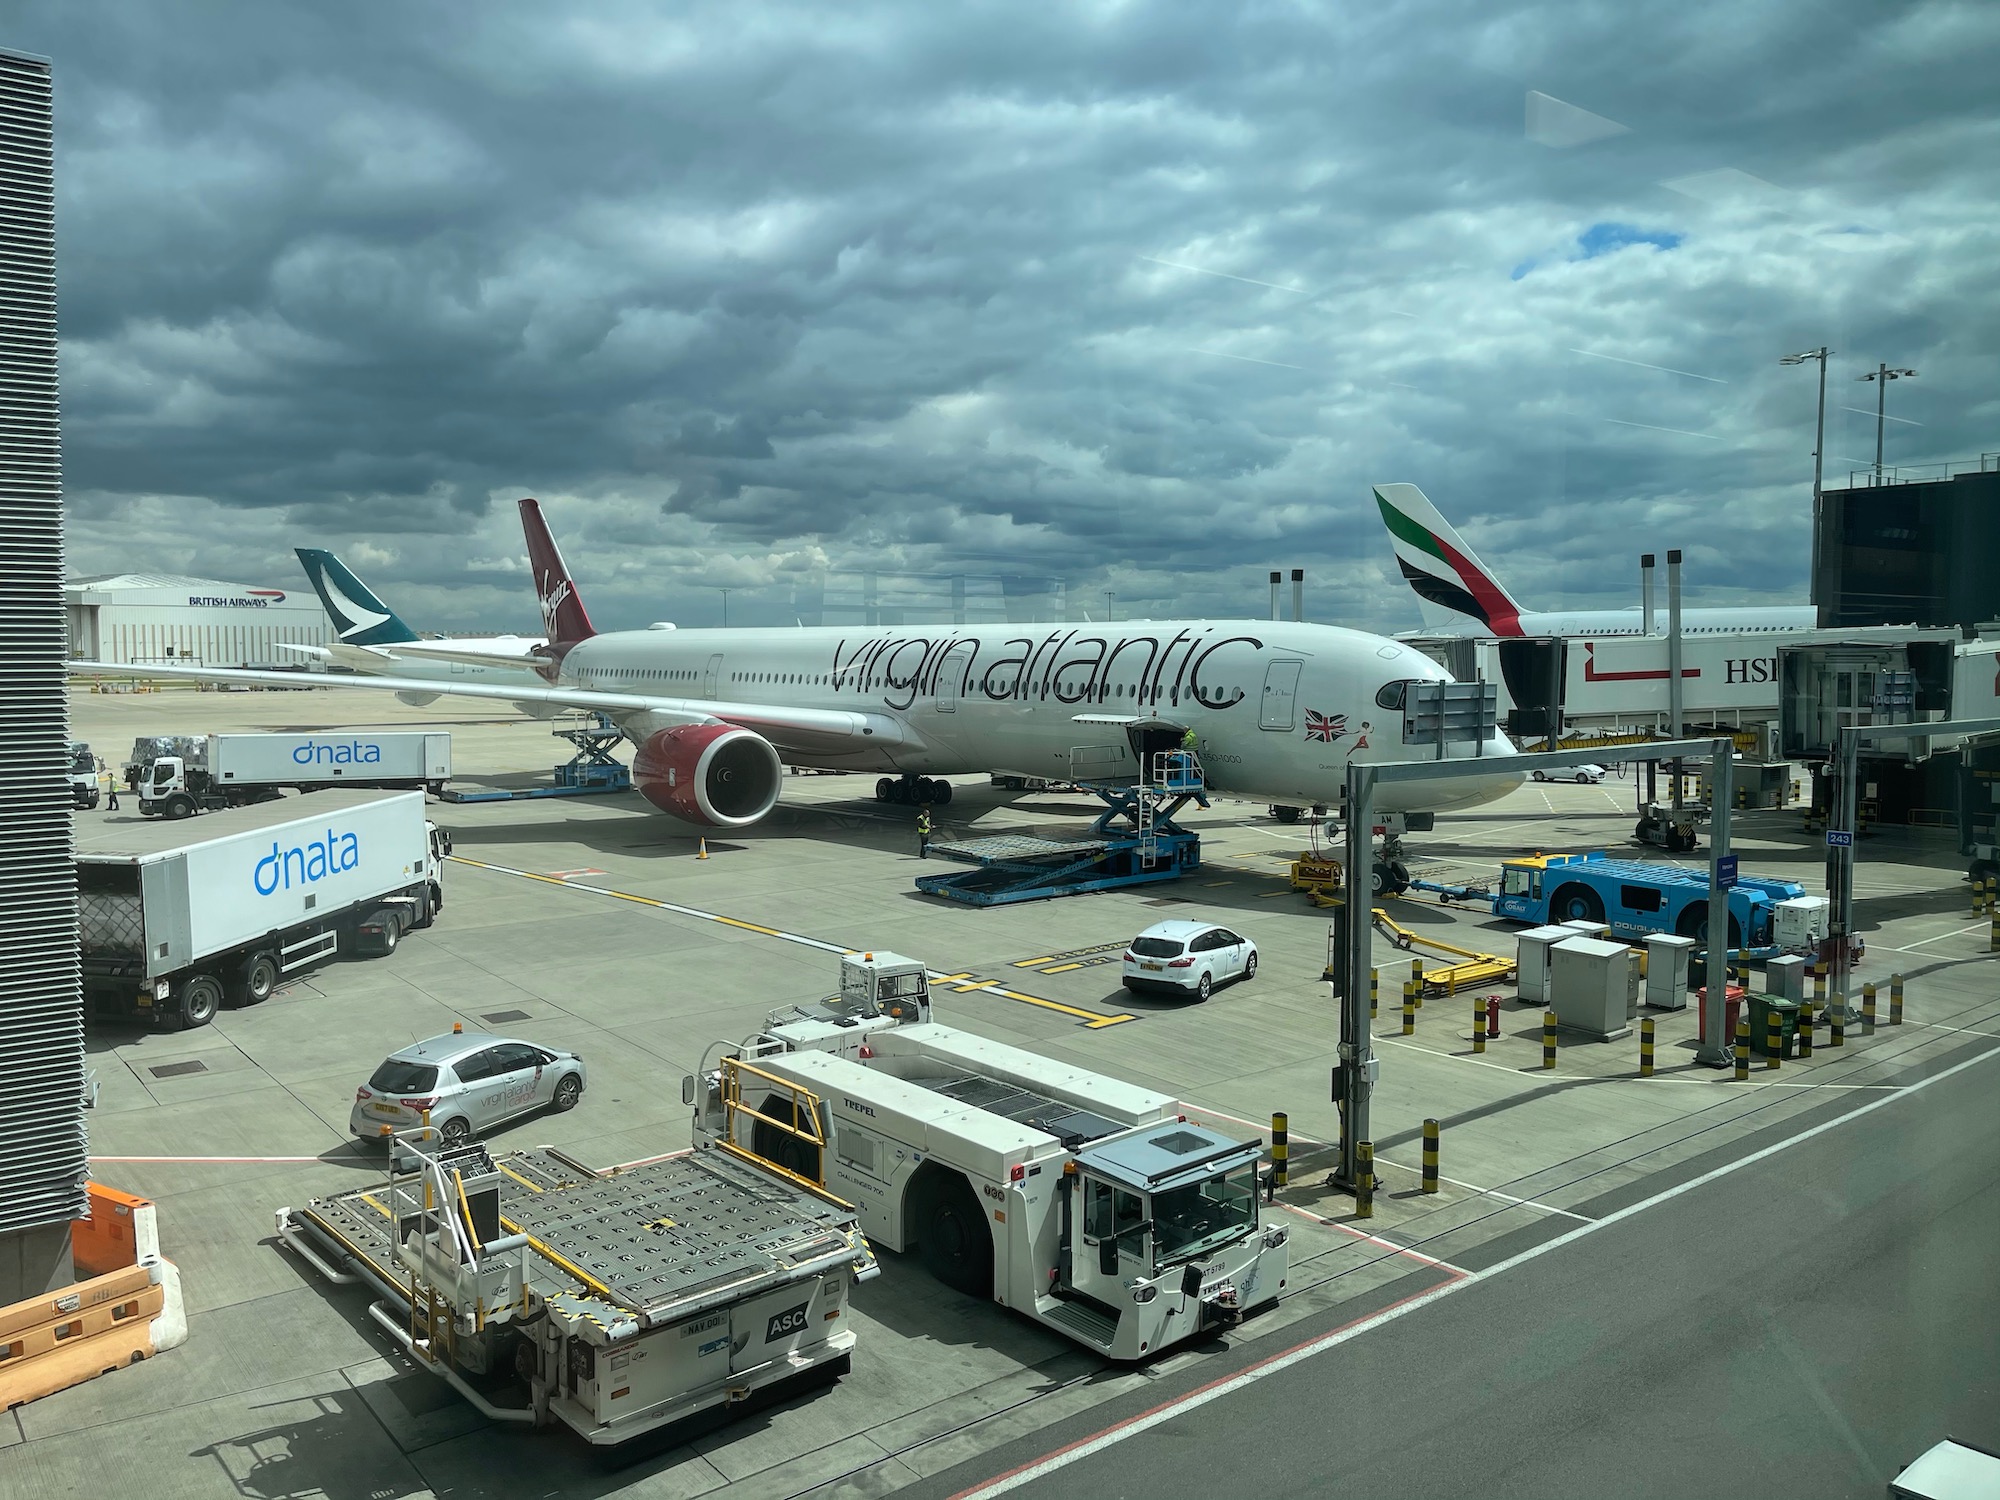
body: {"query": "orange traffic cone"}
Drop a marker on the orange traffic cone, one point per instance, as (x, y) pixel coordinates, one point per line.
(703, 852)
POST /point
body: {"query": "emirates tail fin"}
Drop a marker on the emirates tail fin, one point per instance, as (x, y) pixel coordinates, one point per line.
(1453, 587)
(563, 614)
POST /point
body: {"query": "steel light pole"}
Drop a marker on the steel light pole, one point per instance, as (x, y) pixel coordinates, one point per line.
(725, 603)
(1110, 605)
(1882, 375)
(1819, 450)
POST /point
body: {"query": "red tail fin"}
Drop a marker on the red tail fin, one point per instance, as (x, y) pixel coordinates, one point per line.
(563, 615)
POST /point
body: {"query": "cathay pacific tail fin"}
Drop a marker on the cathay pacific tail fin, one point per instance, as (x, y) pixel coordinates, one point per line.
(359, 618)
(1453, 587)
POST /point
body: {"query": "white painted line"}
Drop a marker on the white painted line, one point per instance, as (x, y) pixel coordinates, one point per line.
(1166, 1411)
(190, 1159)
(1374, 1239)
(1487, 1192)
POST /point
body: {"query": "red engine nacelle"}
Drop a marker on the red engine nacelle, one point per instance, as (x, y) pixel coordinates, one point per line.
(709, 773)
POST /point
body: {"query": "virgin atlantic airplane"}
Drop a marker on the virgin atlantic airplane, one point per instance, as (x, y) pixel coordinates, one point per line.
(1278, 709)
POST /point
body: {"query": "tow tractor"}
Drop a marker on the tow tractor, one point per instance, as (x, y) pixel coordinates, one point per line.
(1635, 898)
(1321, 876)
(618, 1301)
(1090, 1205)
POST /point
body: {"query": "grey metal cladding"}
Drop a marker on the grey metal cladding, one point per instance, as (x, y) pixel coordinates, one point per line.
(44, 1157)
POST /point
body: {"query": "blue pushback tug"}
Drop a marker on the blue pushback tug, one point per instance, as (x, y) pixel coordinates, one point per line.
(1636, 899)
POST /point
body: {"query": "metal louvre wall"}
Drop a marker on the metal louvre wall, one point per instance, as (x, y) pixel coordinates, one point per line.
(43, 1153)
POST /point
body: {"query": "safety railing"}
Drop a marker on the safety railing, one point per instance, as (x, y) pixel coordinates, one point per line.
(803, 1127)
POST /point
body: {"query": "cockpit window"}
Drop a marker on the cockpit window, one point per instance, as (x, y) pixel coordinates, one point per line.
(1391, 695)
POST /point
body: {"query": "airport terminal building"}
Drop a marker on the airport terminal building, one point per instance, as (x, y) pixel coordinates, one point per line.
(143, 619)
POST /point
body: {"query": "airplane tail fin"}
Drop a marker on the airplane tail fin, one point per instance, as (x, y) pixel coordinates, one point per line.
(1452, 585)
(358, 616)
(563, 614)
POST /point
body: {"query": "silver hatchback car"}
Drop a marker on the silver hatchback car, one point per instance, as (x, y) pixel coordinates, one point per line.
(470, 1081)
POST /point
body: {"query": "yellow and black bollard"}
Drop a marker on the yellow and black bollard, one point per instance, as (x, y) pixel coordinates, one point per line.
(1430, 1182)
(1895, 999)
(1978, 897)
(1836, 1020)
(1743, 967)
(1993, 934)
(1417, 980)
(1805, 1030)
(1409, 1009)
(1374, 993)
(1774, 1038)
(1478, 1026)
(1364, 1180)
(1868, 1008)
(1645, 1046)
(1819, 981)
(1281, 1149)
(1743, 1046)
(1549, 1038)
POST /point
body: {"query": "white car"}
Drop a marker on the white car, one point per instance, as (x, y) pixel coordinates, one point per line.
(1581, 775)
(468, 1082)
(1188, 956)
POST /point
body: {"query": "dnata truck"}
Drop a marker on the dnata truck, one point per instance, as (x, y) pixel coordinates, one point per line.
(1635, 899)
(618, 1301)
(174, 927)
(236, 769)
(1087, 1204)
(83, 791)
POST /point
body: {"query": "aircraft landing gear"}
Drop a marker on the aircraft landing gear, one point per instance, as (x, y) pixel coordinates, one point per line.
(909, 791)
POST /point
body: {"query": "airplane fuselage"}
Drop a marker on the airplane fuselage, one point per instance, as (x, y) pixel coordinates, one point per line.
(1277, 708)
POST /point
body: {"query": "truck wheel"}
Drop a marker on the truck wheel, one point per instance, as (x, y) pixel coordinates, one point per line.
(179, 806)
(260, 979)
(1576, 903)
(956, 1247)
(392, 927)
(437, 899)
(201, 998)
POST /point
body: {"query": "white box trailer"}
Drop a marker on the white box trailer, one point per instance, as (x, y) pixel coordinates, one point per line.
(348, 757)
(233, 770)
(1085, 1203)
(173, 925)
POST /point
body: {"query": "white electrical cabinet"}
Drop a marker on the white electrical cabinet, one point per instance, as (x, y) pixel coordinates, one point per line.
(1667, 957)
(1801, 923)
(1531, 958)
(1593, 986)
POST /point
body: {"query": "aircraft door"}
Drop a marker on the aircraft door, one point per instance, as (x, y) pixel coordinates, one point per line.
(1281, 693)
(711, 676)
(951, 673)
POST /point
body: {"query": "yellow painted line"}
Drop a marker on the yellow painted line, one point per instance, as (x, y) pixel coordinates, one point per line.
(543, 1250)
(1267, 895)
(1212, 884)
(1061, 968)
(375, 1203)
(1029, 963)
(518, 1177)
(964, 981)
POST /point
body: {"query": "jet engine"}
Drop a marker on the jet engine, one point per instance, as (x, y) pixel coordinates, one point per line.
(711, 774)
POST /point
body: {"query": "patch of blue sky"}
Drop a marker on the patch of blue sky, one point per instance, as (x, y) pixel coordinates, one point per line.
(1603, 238)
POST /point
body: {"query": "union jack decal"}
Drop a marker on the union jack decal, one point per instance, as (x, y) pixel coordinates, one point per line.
(1320, 727)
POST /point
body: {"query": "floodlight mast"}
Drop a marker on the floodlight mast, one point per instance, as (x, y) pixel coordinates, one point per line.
(1819, 451)
(1882, 375)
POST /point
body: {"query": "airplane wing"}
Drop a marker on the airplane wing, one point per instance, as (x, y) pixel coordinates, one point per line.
(802, 729)
(434, 651)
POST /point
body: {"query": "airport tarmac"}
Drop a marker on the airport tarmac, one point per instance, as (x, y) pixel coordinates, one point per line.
(590, 924)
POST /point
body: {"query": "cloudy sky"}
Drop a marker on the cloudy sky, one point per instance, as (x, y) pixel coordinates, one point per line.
(1068, 298)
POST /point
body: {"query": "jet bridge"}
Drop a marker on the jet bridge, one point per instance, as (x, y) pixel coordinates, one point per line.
(1134, 841)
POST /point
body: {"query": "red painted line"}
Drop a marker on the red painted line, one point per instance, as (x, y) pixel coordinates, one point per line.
(1376, 1239)
(1000, 1479)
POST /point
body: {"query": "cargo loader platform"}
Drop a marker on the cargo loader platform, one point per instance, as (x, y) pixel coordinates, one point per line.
(1134, 841)
(589, 772)
(621, 1300)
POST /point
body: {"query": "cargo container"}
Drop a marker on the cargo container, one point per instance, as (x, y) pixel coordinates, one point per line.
(173, 927)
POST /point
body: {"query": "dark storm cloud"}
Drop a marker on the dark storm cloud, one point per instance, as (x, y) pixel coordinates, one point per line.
(1140, 295)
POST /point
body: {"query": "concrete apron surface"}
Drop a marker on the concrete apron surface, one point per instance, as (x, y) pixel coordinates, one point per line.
(284, 1386)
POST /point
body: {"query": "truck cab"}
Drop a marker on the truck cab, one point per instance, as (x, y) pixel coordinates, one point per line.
(83, 789)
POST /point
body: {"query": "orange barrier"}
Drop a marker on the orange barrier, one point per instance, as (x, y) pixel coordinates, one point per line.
(126, 1308)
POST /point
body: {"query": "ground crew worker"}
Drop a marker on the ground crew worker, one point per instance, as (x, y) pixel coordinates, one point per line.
(1189, 741)
(112, 804)
(923, 833)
